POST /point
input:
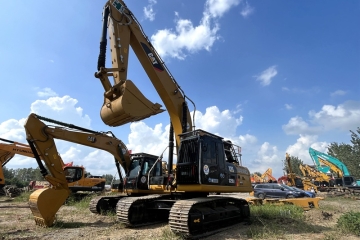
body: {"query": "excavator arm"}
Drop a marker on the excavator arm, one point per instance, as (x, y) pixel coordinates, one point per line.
(44, 203)
(123, 101)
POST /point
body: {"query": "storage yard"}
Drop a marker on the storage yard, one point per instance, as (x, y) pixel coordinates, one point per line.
(75, 221)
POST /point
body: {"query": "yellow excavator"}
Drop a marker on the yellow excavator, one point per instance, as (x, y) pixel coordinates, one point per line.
(256, 178)
(268, 177)
(295, 181)
(76, 176)
(205, 162)
(320, 179)
(44, 203)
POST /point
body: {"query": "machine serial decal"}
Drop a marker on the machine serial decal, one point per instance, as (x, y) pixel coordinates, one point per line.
(231, 181)
(155, 62)
(197, 220)
(206, 169)
(118, 6)
(213, 180)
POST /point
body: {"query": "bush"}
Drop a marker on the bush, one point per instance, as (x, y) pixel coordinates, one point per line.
(350, 223)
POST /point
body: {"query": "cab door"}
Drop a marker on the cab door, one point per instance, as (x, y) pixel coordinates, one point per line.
(212, 162)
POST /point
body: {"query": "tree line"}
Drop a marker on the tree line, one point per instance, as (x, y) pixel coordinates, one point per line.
(21, 177)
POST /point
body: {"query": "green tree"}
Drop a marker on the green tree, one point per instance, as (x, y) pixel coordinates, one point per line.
(349, 154)
(258, 173)
(108, 178)
(294, 162)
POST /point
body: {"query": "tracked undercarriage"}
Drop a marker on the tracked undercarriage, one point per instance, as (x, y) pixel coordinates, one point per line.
(190, 217)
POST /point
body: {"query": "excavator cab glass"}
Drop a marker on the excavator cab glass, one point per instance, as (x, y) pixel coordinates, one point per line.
(299, 183)
(73, 174)
(139, 172)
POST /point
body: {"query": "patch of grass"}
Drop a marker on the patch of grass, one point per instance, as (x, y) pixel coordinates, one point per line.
(81, 202)
(268, 211)
(23, 197)
(272, 221)
(111, 215)
(350, 223)
(166, 233)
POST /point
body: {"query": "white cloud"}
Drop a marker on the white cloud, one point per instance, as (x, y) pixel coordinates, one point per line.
(288, 106)
(188, 38)
(246, 10)
(59, 108)
(149, 11)
(143, 138)
(266, 76)
(267, 157)
(13, 130)
(52, 61)
(214, 121)
(46, 92)
(62, 109)
(344, 116)
(297, 125)
(285, 89)
(217, 8)
(247, 139)
(338, 93)
(300, 149)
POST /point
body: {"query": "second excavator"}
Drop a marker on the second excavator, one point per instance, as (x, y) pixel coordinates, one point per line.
(76, 176)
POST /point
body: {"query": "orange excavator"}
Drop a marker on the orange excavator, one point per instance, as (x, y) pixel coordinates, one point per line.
(267, 176)
(77, 178)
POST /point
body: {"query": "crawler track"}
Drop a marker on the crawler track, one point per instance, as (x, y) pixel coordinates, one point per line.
(141, 211)
(200, 217)
(104, 204)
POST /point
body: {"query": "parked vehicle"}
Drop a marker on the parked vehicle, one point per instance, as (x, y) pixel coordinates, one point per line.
(306, 193)
(276, 190)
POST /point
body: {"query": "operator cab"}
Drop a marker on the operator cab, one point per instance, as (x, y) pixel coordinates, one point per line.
(205, 158)
(145, 170)
(73, 174)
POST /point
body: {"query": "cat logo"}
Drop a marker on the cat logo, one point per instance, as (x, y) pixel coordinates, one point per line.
(152, 58)
(197, 220)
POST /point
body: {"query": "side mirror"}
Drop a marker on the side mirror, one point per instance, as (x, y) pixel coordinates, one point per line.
(282, 189)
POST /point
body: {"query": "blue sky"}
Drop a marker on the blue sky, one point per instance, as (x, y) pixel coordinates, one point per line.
(272, 76)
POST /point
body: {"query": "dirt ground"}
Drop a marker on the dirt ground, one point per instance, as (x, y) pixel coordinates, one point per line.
(16, 222)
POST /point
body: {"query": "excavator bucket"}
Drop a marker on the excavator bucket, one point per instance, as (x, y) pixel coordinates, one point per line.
(44, 203)
(131, 106)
